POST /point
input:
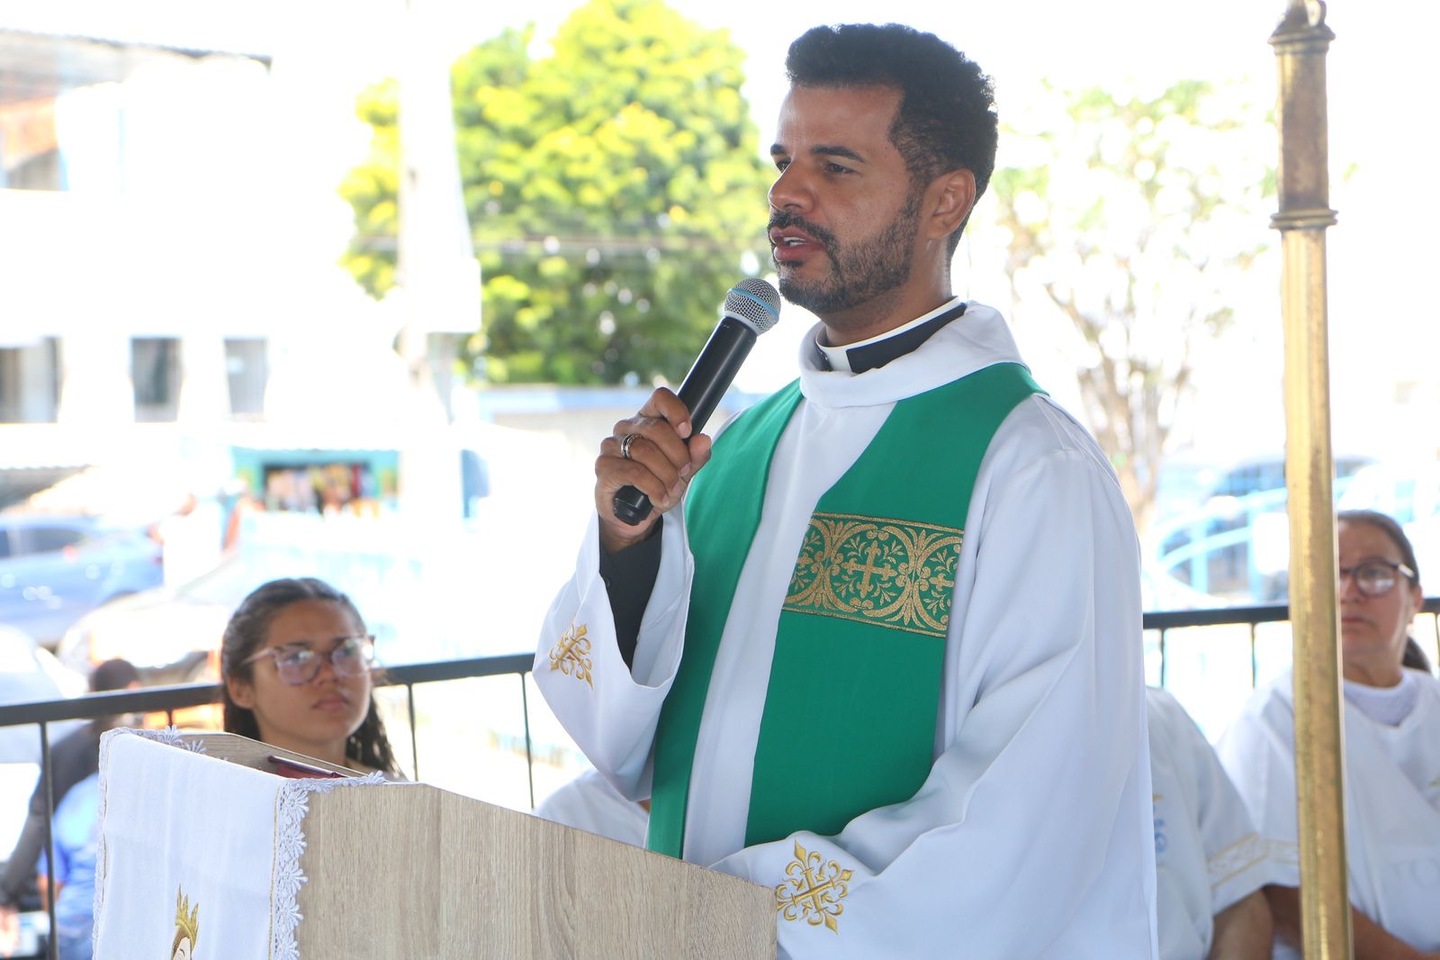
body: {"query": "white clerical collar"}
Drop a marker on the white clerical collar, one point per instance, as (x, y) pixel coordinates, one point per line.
(1387, 705)
(878, 351)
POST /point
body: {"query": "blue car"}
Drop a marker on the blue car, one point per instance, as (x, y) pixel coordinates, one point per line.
(54, 570)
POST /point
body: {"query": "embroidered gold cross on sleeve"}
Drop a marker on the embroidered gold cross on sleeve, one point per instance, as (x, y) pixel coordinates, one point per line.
(814, 890)
(571, 656)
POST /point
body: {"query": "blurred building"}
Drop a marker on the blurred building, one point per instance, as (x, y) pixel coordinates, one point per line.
(169, 231)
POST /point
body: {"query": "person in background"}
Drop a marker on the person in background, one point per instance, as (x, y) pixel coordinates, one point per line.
(1392, 757)
(591, 803)
(1210, 862)
(76, 834)
(72, 759)
(296, 664)
(881, 652)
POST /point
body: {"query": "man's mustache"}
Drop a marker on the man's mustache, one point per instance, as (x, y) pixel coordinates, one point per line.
(781, 219)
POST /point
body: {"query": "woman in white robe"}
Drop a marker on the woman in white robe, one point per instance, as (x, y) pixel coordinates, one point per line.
(1392, 758)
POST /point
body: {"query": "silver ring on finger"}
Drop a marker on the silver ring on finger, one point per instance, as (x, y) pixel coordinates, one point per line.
(625, 442)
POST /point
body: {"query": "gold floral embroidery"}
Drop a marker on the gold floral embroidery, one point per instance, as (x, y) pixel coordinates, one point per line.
(895, 574)
(818, 888)
(571, 656)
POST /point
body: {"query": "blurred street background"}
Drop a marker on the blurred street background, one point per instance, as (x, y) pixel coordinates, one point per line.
(353, 290)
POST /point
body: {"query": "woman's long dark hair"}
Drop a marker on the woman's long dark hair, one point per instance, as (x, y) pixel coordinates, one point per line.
(246, 633)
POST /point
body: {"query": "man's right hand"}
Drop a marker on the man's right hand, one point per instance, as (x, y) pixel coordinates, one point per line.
(660, 465)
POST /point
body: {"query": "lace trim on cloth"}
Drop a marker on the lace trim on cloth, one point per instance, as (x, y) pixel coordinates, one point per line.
(292, 802)
(170, 735)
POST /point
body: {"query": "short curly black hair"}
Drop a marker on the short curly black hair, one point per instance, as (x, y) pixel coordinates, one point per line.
(947, 116)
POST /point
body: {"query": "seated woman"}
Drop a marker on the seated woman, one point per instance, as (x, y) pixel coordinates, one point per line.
(296, 673)
(1392, 757)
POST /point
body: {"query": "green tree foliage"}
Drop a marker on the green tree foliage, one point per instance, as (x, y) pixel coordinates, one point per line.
(1136, 222)
(615, 189)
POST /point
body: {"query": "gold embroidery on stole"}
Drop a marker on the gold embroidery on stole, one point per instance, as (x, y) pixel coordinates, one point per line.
(891, 573)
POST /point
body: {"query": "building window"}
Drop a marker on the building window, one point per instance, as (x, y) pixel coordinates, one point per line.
(30, 382)
(29, 146)
(248, 370)
(155, 371)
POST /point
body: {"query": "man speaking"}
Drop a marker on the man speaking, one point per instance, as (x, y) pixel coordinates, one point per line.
(877, 647)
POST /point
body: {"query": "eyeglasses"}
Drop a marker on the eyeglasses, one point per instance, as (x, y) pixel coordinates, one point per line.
(350, 657)
(1375, 578)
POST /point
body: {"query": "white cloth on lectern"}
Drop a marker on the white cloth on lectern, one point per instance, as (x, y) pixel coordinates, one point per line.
(155, 850)
(1392, 803)
(235, 856)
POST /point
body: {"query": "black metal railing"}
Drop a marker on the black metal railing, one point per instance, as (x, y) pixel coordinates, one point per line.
(168, 700)
(1162, 623)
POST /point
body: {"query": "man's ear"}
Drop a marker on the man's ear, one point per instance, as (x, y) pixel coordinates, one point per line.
(949, 199)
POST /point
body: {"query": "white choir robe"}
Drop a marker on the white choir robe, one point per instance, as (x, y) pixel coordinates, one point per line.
(1392, 804)
(1208, 854)
(1032, 836)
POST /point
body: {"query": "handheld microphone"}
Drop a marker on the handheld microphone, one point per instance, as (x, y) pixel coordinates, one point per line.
(751, 307)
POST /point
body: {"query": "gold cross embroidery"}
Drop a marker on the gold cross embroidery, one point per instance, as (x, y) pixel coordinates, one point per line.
(818, 889)
(571, 655)
(866, 568)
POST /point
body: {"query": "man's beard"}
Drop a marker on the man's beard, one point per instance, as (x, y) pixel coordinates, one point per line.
(859, 271)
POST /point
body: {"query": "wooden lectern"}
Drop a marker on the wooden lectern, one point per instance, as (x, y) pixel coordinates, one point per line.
(207, 851)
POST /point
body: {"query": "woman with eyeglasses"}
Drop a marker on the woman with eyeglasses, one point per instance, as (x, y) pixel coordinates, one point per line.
(1392, 757)
(296, 669)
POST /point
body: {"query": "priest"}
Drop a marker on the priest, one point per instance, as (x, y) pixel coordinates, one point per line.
(878, 646)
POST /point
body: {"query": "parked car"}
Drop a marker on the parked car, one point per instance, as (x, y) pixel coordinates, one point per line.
(28, 673)
(1409, 492)
(170, 633)
(55, 569)
(1260, 474)
(1236, 550)
(442, 598)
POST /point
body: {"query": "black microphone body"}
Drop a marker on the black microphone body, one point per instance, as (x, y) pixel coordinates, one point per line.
(715, 369)
(751, 308)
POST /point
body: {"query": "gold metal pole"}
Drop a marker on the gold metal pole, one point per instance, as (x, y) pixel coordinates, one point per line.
(1301, 42)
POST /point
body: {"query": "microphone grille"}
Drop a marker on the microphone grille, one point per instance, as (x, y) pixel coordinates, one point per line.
(754, 301)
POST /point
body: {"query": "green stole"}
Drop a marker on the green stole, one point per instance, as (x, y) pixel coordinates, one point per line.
(851, 709)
